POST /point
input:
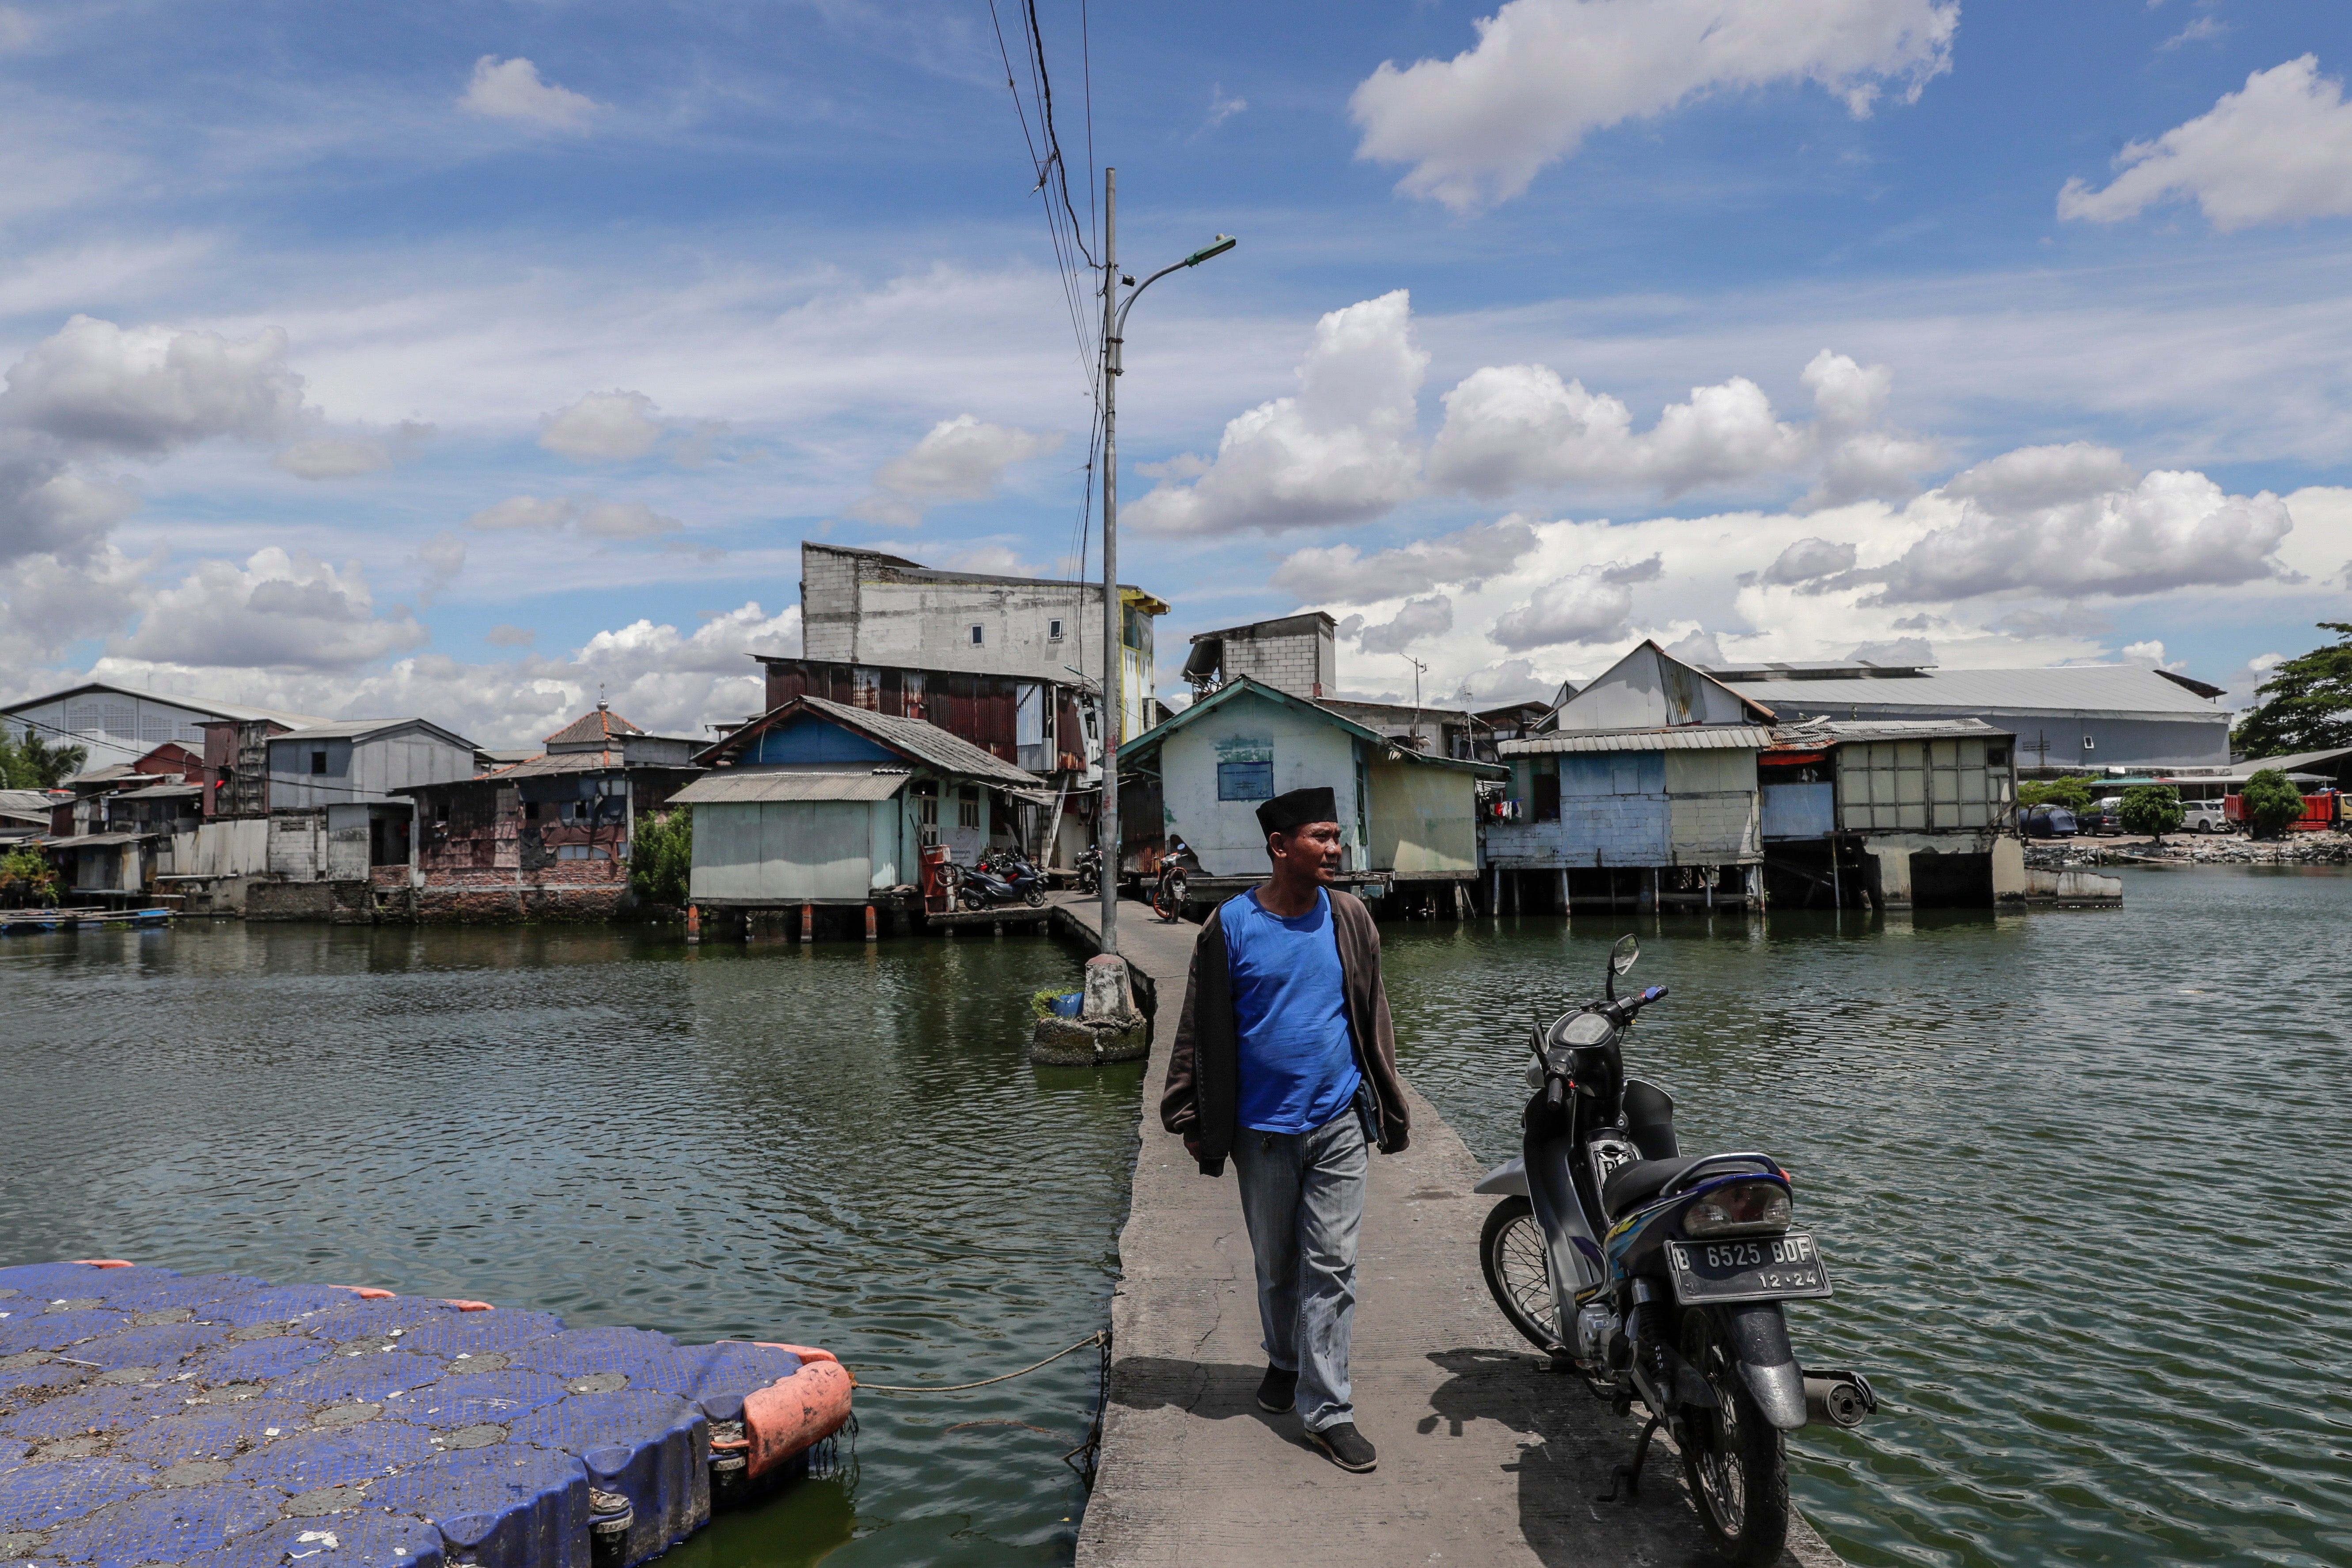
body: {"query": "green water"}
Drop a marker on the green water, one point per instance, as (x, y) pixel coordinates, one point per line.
(838, 1145)
(2078, 1175)
(2075, 1170)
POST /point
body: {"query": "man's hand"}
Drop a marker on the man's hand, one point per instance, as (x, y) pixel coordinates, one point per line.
(1191, 1145)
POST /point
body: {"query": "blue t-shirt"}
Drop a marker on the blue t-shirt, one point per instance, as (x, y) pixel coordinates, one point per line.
(1297, 1063)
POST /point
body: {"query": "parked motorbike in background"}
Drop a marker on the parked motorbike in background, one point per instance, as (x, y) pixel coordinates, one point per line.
(1172, 885)
(1658, 1276)
(1011, 882)
(1090, 870)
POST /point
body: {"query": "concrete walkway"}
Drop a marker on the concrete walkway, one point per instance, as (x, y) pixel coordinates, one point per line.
(1484, 1457)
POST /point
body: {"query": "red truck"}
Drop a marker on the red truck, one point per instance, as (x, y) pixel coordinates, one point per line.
(2322, 810)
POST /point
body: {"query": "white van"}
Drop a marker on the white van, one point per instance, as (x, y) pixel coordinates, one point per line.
(2204, 817)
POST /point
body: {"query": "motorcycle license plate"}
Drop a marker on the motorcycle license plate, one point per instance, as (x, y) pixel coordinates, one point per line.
(1747, 1269)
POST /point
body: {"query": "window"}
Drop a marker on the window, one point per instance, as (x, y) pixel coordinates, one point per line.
(1053, 631)
(530, 811)
(968, 807)
(976, 637)
(318, 762)
(1246, 781)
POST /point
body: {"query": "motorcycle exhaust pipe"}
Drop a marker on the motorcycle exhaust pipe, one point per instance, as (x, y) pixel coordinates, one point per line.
(1839, 1398)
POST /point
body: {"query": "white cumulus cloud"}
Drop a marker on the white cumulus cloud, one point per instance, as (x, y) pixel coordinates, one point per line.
(2277, 151)
(603, 427)
(1339, 574)
(1519, 426)
(278, 610)
(1340, 450)
(2077, 519)
(958, 460)
(512, 89)
(1414, 619)
(1545, 73)
(146, 390)
(1585, 605)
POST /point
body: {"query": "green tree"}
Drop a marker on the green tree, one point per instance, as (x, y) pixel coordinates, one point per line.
(2152, 809)
(2072, 792)
(2306, 703)
(33, 763)
(31, 868)
(2270, 802)
(661, 861)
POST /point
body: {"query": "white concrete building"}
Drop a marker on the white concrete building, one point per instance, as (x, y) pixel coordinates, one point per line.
(863, 608)
(1299, 654)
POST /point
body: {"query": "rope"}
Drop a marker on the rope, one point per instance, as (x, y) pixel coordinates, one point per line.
(1101, 1337)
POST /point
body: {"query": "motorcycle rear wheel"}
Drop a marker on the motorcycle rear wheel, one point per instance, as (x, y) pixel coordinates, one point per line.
(1511, 1255)
(1735, 1462)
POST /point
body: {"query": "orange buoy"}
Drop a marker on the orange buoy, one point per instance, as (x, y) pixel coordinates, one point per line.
(793, 1413)
(106, 1262)
(366, 1292)
(806, 1353)
(468, 1306)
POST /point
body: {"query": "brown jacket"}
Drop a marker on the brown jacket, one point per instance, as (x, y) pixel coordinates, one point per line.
(1203, 1065)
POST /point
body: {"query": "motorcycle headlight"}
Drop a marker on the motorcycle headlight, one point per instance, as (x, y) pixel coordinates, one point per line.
(1739, 1208)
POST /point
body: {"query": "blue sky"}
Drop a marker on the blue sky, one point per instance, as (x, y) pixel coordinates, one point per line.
(461, 360)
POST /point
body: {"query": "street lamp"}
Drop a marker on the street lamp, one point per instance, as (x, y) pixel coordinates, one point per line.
(1113, 662)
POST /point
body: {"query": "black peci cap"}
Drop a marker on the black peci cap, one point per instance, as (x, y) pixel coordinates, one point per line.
(1289, 813)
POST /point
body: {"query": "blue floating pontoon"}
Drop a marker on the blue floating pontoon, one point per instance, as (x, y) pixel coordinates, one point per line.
(148, 1417)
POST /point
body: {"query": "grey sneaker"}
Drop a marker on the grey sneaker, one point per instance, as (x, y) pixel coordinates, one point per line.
(1279, 1391)
(1346, 1447)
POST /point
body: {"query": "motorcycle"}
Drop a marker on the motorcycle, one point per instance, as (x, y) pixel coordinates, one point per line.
(1658, 1277)
(979, 888)
(1171, 885)
(1089, 878)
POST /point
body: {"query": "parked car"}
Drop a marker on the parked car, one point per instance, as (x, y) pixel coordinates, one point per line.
(2204, 817)
(2045, 821)
(2103, 815)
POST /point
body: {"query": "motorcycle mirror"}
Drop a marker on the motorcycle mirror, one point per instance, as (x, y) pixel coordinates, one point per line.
(1622, 956)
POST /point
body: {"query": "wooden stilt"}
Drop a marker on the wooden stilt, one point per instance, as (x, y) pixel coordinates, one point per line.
(808, 922)
(873, 932)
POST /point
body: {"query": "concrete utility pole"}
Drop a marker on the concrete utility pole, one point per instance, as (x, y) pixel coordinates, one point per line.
(1113, 687)
(1113, 694)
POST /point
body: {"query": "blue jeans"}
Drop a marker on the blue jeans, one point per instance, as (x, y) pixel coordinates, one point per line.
(1302, 1200)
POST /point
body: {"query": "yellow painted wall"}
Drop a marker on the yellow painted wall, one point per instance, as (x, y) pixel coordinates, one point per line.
(1424, 818)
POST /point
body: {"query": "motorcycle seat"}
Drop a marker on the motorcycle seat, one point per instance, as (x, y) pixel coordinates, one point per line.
(1637, 1184)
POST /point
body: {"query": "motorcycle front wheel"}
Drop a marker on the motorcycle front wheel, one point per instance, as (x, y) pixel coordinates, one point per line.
(1511, 1252)
(1034, 897)
(1735, 1461)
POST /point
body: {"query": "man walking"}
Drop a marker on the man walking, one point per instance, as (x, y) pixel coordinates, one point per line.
(1285, 1059)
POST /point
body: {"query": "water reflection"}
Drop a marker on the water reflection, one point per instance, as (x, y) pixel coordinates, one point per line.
(2062, 1164)
(839, 1145)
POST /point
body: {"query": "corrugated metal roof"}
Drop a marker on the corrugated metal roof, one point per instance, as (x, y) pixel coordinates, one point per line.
(158, 792)
(97, 840)
(2117, 691)
(593, 728)
(188, 704)
(738, 787)
(1693, 738)
(25, 800)
(1819, 732)
(913, 738)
